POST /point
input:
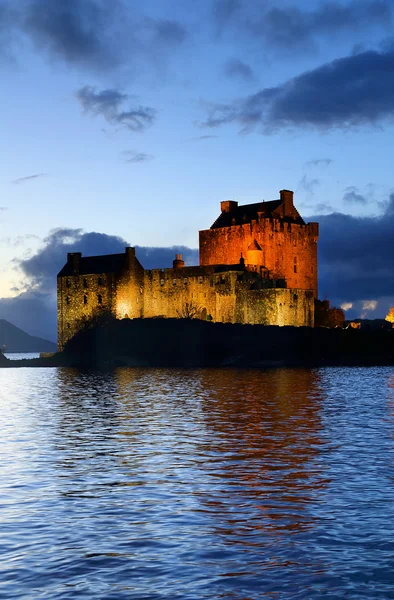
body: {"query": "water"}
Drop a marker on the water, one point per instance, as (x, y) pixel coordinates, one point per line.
(21, 355)
(197, 484)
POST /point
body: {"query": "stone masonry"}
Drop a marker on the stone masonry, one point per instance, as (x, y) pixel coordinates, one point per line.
(258, 265)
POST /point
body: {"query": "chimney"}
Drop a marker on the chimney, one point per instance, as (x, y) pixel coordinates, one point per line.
(74, 258)
(286, 197)
(178, 263)
(228, 205)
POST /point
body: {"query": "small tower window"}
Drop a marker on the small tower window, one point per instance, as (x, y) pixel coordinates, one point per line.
(174, 282)
(85, 283)
(201, 279)
(185, 280)
(85, 299)
(295, 264)
(67, 299)
(68, 283)
(68, 325)
(99, 299)
(161, 281)
(100, 281)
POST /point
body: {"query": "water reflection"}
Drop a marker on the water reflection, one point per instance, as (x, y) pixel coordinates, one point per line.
(197, 484)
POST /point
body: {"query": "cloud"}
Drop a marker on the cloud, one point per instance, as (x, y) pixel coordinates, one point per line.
(347, 92)
(356, 257)
(319, 162)
(308, 185)
(237, 69)
(131, 156)
(290, 27)
(203, 137)
(3, 208)
(28, 178)
(109, 103)
(352, 196)
(92, 34)
(34, 309)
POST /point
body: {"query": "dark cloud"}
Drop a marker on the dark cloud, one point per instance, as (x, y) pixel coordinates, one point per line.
(34, 310)
(353, 196)
(351, 91)
(94, 34)
(321, 207)
(161, 258)
(224, 12)
(308, 185)
(28, 178)
(131, 156)
(290, 27)
(109, 104)
(319, 162)
(203, 137)
(356, 256)
(236, 68)
(170, 32)
(78, 32)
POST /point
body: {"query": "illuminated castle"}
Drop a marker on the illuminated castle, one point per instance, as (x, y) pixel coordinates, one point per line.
(258, 264)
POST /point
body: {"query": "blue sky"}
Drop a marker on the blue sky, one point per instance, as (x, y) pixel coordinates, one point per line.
(135, 120)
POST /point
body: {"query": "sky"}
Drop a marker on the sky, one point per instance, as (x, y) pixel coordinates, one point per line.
(126, 123)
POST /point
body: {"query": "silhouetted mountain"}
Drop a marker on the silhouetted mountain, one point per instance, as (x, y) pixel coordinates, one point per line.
(13, 339)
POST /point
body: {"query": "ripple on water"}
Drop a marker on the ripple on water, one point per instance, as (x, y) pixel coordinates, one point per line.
(196, 484)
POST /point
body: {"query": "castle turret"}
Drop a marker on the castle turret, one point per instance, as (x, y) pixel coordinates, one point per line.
(178, 263)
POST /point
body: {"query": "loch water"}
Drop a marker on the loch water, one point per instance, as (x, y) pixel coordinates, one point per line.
(197, 484)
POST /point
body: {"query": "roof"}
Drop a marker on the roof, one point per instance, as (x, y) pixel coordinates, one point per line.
(249, 212)
(95, 265)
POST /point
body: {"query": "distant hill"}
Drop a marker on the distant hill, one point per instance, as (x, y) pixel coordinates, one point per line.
(13, 339)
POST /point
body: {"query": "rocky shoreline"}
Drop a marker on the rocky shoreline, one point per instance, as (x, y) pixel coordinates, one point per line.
(190, 343)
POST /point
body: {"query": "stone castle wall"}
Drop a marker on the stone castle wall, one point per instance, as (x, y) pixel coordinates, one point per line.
(288, 250)
(81, 298)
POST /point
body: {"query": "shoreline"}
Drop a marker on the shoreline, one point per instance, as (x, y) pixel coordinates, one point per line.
(190, 343)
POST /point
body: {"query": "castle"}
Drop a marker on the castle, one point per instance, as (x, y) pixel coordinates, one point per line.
(258, 264)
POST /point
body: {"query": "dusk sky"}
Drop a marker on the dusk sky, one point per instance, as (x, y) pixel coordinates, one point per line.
(128, 123)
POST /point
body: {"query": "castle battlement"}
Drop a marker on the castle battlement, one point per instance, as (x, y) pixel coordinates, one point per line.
(258, 265)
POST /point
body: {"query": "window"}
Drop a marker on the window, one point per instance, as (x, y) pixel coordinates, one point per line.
(161, 281)
(68, 283)
(295, 298)
(85, 283)
(201, 279)
(99, 299)
(100, 281)
(67, 300)
(68, 325)
(85, 299)
(185, 280)
(295, 264)
(174, 282)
